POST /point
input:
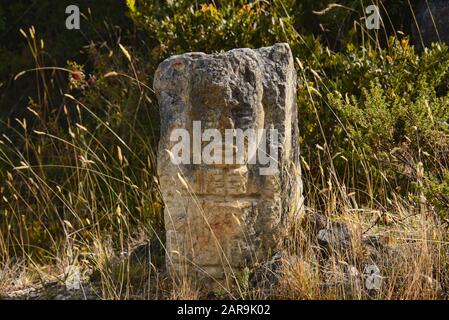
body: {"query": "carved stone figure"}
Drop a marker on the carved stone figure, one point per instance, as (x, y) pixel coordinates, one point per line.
(223, 215)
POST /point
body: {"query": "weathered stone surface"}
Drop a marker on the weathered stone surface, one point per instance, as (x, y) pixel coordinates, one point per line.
(220, 218)
(335, 237)
(431, 18)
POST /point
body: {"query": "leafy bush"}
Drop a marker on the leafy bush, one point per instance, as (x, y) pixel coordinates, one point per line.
(393, 106)
(179, 26)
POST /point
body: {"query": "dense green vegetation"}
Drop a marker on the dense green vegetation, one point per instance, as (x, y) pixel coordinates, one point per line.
(77, 144)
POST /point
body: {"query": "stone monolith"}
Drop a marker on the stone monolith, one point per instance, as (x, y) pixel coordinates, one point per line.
(221, 214)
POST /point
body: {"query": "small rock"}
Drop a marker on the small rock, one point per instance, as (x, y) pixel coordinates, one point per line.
(335, 238)
(60, 297)
(266, 276)
(314, 222)
(148, 252)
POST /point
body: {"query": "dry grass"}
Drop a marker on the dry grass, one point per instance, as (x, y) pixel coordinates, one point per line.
(411, 256)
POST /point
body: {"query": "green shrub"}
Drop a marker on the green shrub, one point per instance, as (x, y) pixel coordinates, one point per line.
(393, 106)
(179, 26)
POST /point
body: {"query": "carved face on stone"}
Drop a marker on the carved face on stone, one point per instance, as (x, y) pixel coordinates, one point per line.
(220, 100)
